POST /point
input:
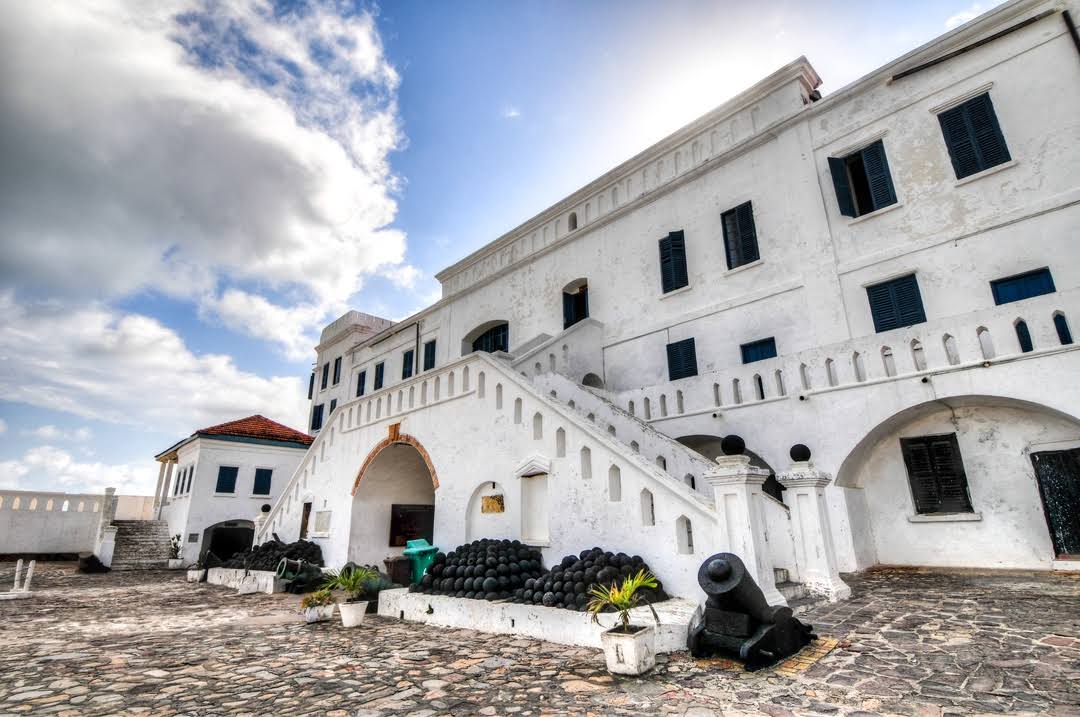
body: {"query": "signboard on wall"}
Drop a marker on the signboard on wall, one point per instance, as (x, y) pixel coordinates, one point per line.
(492, 504)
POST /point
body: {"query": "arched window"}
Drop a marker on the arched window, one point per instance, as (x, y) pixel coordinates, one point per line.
(780, 389)
(679, 402)
(736, 392)
(888, 361)
(517, 410)
(648, 509)
(1023, 336)
(614, 482)
(575, 302)
(661, 462)
(592, 381)
(635, 446)
(690, 480)
(1061, 324)
(759, 387)
(918, 357)
(630, 408)
(804, 375)
(663, 405)
(717, 400)
(586, 463)
(684, 535)
(648, 409)
(538, 426)
(498, 396)
(490, 336)
(952, 355)
(857, 364)
(830, 371)
(572, 221)
(986, 343)
(611, 429)
(560, 443)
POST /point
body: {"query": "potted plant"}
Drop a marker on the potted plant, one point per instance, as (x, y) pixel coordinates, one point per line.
(356, 582)
(196, 572)
(317, 606)
(628, 649)
(175, 549)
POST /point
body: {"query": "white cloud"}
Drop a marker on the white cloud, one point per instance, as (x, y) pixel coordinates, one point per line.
(511, 112)
(964, 16)
(54, 469)
(131, 165)
(52, 433)
(129, 369)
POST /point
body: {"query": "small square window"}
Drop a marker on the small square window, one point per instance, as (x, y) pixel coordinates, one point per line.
(862, 181)
(379, 367)
(193, 537)
(322, 521)
(896, 303)
(973, 136)
(263, 477)
(1022, 286)
(226, 479)
(682, 359)
(758, 350)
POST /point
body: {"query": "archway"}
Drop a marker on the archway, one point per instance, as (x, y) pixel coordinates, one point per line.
(393, 501)
(952, 483)
(575, 302)
(709, 447)
(592, 381)
(227, 538)
(490, 336)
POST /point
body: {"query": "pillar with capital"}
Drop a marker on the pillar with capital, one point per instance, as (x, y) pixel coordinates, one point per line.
(805, 486)
(737, 491)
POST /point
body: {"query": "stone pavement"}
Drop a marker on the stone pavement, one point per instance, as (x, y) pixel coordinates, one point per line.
(909, 642)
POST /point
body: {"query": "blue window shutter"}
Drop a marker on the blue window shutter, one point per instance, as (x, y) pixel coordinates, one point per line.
(429, 355)
(325, 374)
(316, 417)
(379, 375)
(973, 136)
(311, 386)
(878, 176)
(838, 170)
(740, 235)
(896, 303)
(263, 477)
(987, 132)
(226, 479)
(1022, 286)
(407, 362)
(673, 274)
(759, 350)
(361, 379)
(682, 359)
(1062, 327)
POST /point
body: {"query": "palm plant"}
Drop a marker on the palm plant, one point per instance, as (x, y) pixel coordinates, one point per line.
(319, 598)
(622, 598)
(354, 581)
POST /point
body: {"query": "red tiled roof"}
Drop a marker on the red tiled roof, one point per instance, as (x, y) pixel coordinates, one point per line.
(257, 427)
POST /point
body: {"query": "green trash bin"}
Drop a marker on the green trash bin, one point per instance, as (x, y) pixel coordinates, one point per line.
(422, 554)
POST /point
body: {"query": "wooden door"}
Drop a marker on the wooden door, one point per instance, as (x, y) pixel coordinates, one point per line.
(304, 521)
(1058, 473)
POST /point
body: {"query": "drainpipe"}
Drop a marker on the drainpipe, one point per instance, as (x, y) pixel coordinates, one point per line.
(416, 352)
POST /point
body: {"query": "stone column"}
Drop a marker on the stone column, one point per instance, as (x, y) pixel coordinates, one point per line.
(108, 512)
(813, 537)
(168, 483)
(157, 491)
(737, 491)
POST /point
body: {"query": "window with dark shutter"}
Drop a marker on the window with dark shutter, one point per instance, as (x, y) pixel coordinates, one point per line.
(333, 405)
(896, 303)
(863, 181)
(682, 359)
(936, 473)
(673, 262)
(758, 350)
(429, 355)
(316, 417)
(226, 479)
(740, 235)
(263, 477)
(575, 306)
(325, 375)
(973, 136)
(1022, 286)
(497, 338)
(361, 383)
(337, 370)
(379, 375)
(407, 362)
(311, 386)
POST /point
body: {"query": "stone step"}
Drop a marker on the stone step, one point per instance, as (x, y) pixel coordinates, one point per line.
(791, 591)
(805, 603)
(141, 544)
(780, 575)
(140, 564)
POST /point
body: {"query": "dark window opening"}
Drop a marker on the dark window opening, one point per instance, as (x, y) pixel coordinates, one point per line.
(226, 479)
(673, 273)
(896, 303)
(682, 359)
(316, 417)
(410, 522)
(429, 355)
(758, 350)
(575, 306)
(263, 477)
(337, 370)
(863, 181)
(379, 370)
(936, 474)
(973, 136)
(1022, 286)
(325, 375)
(497, 338)
(1024, 337)
(311, 386)
(333, 405)
(361, 383)
(740, 235)
(407, 362)
(1061, 324)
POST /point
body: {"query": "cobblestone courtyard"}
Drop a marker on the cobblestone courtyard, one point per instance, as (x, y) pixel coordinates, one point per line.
(910, 642)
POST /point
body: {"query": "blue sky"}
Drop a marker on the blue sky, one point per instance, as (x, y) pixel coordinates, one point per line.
(191, 189)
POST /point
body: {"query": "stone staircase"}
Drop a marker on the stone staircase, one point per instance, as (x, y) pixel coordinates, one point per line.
(798, 599)
(141, 545)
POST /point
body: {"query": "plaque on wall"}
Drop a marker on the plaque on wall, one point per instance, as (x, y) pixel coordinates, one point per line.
(492, 504)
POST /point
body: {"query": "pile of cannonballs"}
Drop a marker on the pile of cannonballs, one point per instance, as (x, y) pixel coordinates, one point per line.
(569, 584)
(269, 554)
(482, 570)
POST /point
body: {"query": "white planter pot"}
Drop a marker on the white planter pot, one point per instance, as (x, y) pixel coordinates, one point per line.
(196, 575)
(321, 613)
(176, 563)
(629, 653)
(352, 613)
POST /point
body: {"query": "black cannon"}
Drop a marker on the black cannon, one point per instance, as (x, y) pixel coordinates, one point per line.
(739, 622)
(303, 576)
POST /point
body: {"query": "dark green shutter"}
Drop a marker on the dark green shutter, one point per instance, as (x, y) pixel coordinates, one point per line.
(325, 374)
(896, 303)
(973, 136)
(407, 362)
(682, 359)
(988, 139)
(311, 386)
(360, 381)
(379, 375)
(838, 169)
(936, 473)
(263, 477)
(673, 273)
(740, 235)
(567, 310)
(429, 355)
(877, 175)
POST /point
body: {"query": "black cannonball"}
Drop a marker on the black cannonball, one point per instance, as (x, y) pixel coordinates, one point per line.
(549, 599)
(459, 584)
(491, 596)
(502, 569)
(718, 570)
(578, 576)
(427, 580)
(491, 573)
(470, 595)
(560, 596)
(557, 587)
(529, 583)
(504, 581)
(579, 588)
(732, 445)
(527, 594)
(800, 452)
(515, 568)
(538, 597)
(490, 584)
(437, 569)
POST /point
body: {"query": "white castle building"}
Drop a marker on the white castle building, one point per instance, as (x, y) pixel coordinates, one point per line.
(889, 275)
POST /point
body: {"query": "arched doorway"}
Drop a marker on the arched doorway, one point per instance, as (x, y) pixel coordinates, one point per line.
(957, 483)
(227, 538)
(490, 336)
(575, 302)
(709, 446)
(393, 501)
(592, 381)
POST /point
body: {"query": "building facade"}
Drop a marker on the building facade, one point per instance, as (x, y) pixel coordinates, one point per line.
(213, 485)
(888, 275)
